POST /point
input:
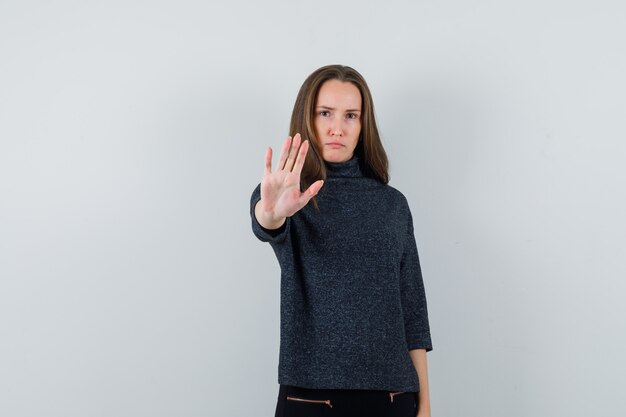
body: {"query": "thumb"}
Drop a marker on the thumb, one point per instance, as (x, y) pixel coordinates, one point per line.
(315, 187)
(312, 191)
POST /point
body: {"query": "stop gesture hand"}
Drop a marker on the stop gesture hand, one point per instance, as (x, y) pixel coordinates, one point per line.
(280, 190)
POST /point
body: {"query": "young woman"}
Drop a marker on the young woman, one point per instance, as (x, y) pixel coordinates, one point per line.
(354, 326)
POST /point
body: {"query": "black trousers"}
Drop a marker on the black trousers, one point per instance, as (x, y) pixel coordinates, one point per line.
(306, 402)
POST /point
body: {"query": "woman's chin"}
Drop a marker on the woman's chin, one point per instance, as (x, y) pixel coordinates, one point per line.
(336, 156)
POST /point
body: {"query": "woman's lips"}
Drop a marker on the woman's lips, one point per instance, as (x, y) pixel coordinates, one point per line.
(334, 145)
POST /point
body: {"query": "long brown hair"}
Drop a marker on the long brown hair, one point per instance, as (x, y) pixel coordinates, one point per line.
(369, 149)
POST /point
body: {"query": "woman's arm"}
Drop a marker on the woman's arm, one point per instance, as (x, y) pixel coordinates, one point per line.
(418, 356)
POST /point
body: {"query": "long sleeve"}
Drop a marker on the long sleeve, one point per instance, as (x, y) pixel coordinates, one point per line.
(413, 294)
(263, 234)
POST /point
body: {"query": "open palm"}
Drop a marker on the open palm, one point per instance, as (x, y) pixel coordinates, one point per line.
(280, 189)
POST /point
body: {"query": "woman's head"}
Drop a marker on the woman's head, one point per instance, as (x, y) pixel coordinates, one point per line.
(337, 119)
(334, 105)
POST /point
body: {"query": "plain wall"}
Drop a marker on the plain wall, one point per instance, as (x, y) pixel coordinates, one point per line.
(132, 134)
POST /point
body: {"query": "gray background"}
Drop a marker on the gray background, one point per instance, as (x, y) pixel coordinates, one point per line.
(133, 133)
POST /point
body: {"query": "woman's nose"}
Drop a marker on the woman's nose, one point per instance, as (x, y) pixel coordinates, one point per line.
(335, 129)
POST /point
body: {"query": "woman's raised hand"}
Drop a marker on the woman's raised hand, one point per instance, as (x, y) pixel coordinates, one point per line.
(280, 189)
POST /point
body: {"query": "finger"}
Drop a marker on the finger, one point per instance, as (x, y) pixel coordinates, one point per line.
(318, 186)
(295, 144)
(311, 191)
(284, 151)
(268, 161)
(297, 168)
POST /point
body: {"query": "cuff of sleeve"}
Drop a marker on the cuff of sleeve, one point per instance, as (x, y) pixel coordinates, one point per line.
(422, 343)
(268, 235)
(274, 232)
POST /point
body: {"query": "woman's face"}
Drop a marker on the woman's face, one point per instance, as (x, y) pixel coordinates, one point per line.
(337, 119)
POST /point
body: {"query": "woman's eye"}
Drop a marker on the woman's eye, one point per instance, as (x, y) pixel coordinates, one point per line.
(324, 113)
(351, 116)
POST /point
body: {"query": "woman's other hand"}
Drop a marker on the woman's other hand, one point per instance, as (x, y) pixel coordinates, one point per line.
(280, 190)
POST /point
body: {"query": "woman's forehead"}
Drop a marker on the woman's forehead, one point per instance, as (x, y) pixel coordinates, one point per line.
(342, 95)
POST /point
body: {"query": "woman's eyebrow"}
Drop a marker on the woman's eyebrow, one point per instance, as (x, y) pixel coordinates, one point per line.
(332, 108)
